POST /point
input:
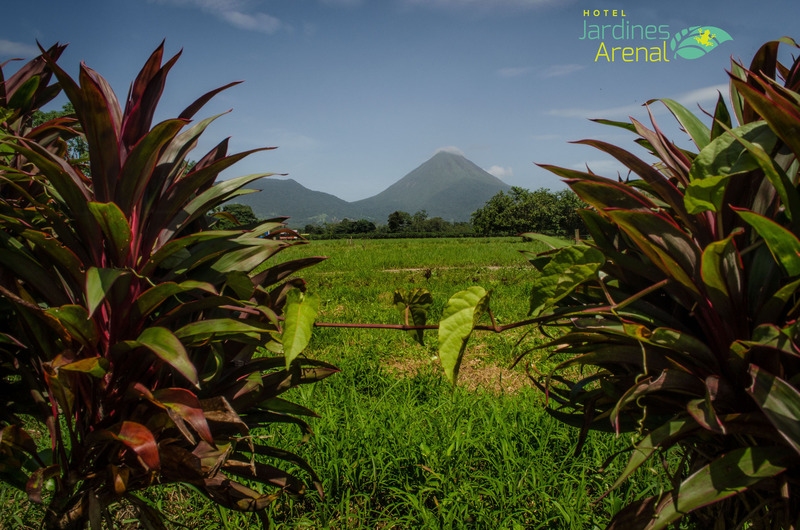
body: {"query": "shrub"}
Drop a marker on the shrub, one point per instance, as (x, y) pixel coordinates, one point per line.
(134, 339)
(682, 310)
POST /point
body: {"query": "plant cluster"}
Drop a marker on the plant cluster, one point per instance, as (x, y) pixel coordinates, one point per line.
(682, 310)
(137, 345)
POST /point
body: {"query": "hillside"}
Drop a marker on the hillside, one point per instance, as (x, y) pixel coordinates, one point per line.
(447, 185)
(286, 197)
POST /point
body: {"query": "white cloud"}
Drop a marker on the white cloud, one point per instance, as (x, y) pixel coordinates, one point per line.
(450, 149)
(234, 12)
(514, 71)
(260, 22)
(561, 69)
(689, 99)
(500, 171)
(17, 49)
(289, 139)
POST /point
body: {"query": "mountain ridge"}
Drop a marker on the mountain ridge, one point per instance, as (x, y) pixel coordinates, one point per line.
(447, 185)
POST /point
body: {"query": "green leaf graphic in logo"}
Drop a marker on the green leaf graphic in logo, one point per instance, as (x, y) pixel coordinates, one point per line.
(694, 42)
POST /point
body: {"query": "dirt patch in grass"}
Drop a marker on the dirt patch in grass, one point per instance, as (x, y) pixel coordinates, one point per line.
(475, 373)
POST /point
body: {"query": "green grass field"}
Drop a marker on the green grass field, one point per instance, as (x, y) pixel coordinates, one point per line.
(395, 445)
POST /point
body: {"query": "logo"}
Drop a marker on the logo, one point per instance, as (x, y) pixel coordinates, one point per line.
(694, 42)
(646, 43)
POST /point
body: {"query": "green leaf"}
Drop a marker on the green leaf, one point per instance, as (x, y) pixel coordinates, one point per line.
(722, 119)
(720, 269)
(149, 300)
(696, 129)
(300, 312)
(777, 177)
(95, 366)
(168, 348)
(414, 305)
(780, 402)
(203, 330)
(22, 97)
(568, 268)
(76, 321)
(706, 194)
(782, 243)
(725, 156)
(724, 477)
(658, 438)
(115, 227)
(459, 317)
(99, 282)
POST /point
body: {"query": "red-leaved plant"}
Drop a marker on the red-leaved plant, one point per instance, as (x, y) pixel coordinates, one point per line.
(682, 309)
(134, 336)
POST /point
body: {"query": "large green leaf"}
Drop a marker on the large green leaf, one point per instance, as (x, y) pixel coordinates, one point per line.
(660, 438)
(725, 156)
(783, 244)
(203, 330)
(777, 177)
(696, 129)
(300, 312)
(99, 282)
(568, 268)
(724, 477)
(168, 348)
(721, 271)
(706, 194)
(149, 300)
(94, 366)
(462, 312)
(780, 401)
(76, 321)
(115, 227)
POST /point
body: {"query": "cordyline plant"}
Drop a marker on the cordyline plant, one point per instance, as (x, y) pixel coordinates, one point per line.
(681, 310)
(132, 334)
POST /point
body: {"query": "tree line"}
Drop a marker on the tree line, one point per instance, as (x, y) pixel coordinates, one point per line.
(517, 211)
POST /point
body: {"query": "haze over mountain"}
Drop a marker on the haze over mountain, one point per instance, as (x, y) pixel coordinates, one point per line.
(447, 186)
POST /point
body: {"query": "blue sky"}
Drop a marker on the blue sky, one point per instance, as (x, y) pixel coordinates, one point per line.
(357, 93)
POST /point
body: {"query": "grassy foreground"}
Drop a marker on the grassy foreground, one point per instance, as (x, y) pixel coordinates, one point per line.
(395, 446)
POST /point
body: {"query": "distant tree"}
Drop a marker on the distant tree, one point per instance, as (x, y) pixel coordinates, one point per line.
(363, 226)
(241, 212)
(418, 220)
(399, 221)
(522, 210)
(313, 229)
(77, 147)
(437, 224)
